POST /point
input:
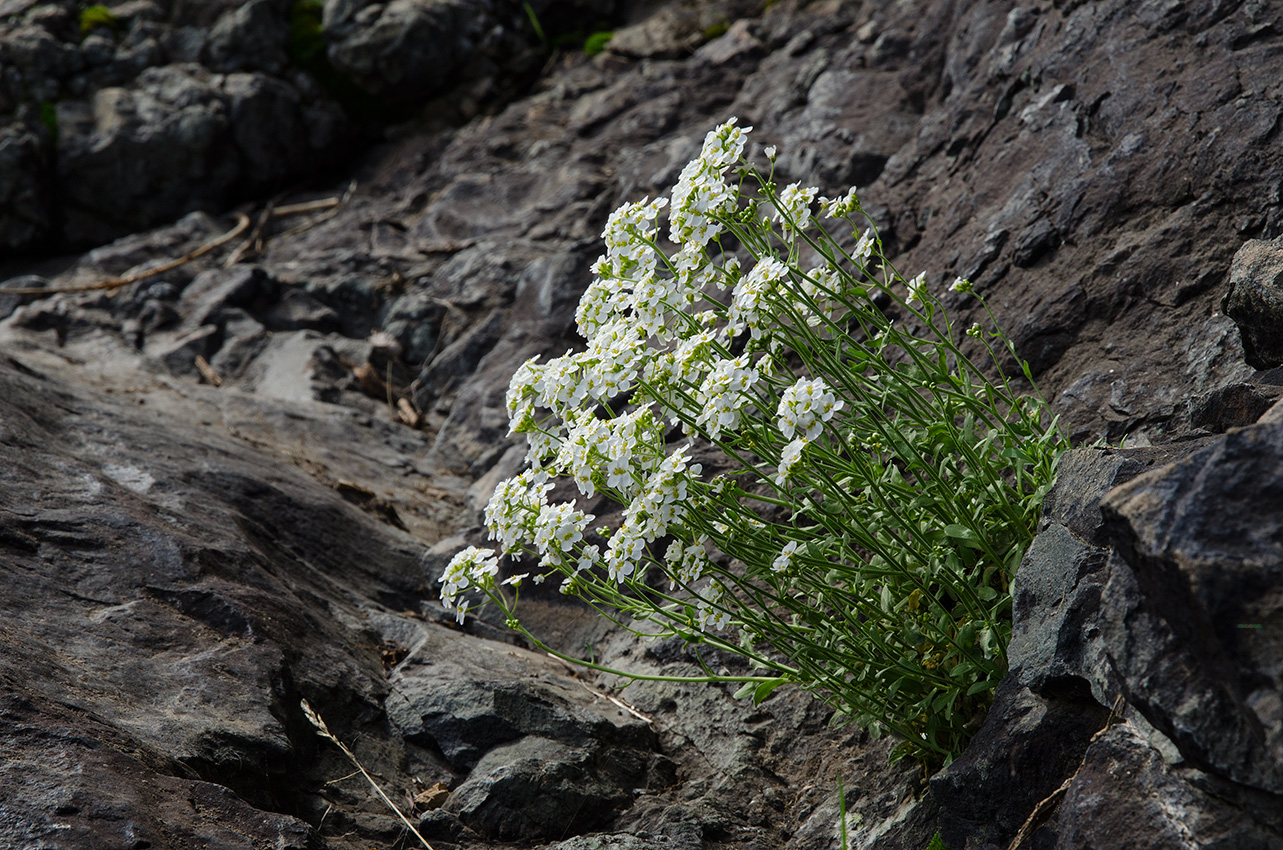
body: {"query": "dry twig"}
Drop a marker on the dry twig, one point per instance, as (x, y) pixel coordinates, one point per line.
(324, 732)
(242, 224)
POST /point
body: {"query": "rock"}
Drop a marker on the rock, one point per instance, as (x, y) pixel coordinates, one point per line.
(176, 606)
(406, 49)
(94, 787)
(118, 128)
(1026, 748)
(1255, 301)
(1201, 540)
(26, 208)
(180, 138)
(539, 788)
(298, 311)
(1127, 795)
(9, 303)
(1233, 406)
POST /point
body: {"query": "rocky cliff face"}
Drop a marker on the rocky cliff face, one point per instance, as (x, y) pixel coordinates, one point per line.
(231, 485)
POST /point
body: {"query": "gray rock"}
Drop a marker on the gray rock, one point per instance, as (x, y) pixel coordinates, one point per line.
(1255, 301)
(175, 606)
(1201, 539)
(299, 311)
(540, 788)
(1026, 748)
(26, 210)
(1127, 795)
(9, 303)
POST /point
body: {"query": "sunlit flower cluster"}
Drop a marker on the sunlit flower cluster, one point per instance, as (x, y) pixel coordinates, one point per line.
(805, 407)
(470, 568)
(701, 193)
(802, 385)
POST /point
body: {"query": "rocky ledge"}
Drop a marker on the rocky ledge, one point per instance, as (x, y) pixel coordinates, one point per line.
(239, 448)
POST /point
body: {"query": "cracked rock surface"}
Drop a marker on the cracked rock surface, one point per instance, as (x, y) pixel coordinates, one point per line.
(232, 485)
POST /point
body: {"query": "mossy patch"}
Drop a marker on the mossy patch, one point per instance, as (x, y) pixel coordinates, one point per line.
(93, 17)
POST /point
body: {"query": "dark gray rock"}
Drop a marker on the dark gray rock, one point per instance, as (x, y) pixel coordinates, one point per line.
(177, 599)
(1232, 407)
(539, 788)
(1026, 748)
(1255, 301)
(298, 311)
(466, 704)
(408, 49)
(1200, 661)
(1127, 795)
(26, 209)
(9, 303)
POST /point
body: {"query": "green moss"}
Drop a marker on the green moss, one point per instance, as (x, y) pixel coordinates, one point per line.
(716, 30)
(597, 42)
(92, 17)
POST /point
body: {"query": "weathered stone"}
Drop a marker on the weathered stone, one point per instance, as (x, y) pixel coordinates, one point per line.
(1255, 301)
(26, 208)
(1202, 539)
(1127, 795)
(539, 788)
(1026, 748)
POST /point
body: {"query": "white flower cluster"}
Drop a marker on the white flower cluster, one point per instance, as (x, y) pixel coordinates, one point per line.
(662, 502)
(841, 207)
(724, 394)
(657, 337)
(700, 192)
(805, 407)
(794, 211)
(750, 305)
(470, 568)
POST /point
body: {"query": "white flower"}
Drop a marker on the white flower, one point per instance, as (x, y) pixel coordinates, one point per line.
(918, 289)
(700, 194)
(841, 207)
(629, 235)
(724, 393)
(770, 152)
(960, 284)
(788, 459)
(750, 301)
(685, 564)
(785, 559)
(794, 204)
(804, 407)
(556, 530)
(864, 248)
(510, 516)
(710, 613)
(469, 569)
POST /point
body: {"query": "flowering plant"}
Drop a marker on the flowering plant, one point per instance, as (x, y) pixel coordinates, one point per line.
(870, 487)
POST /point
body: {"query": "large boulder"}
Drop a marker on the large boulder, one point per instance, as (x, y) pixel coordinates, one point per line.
(1255, 301)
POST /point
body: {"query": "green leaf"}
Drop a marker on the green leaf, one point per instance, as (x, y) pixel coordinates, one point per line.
(937, 843)
(964, 535)
(745, 690)
(764, 689)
